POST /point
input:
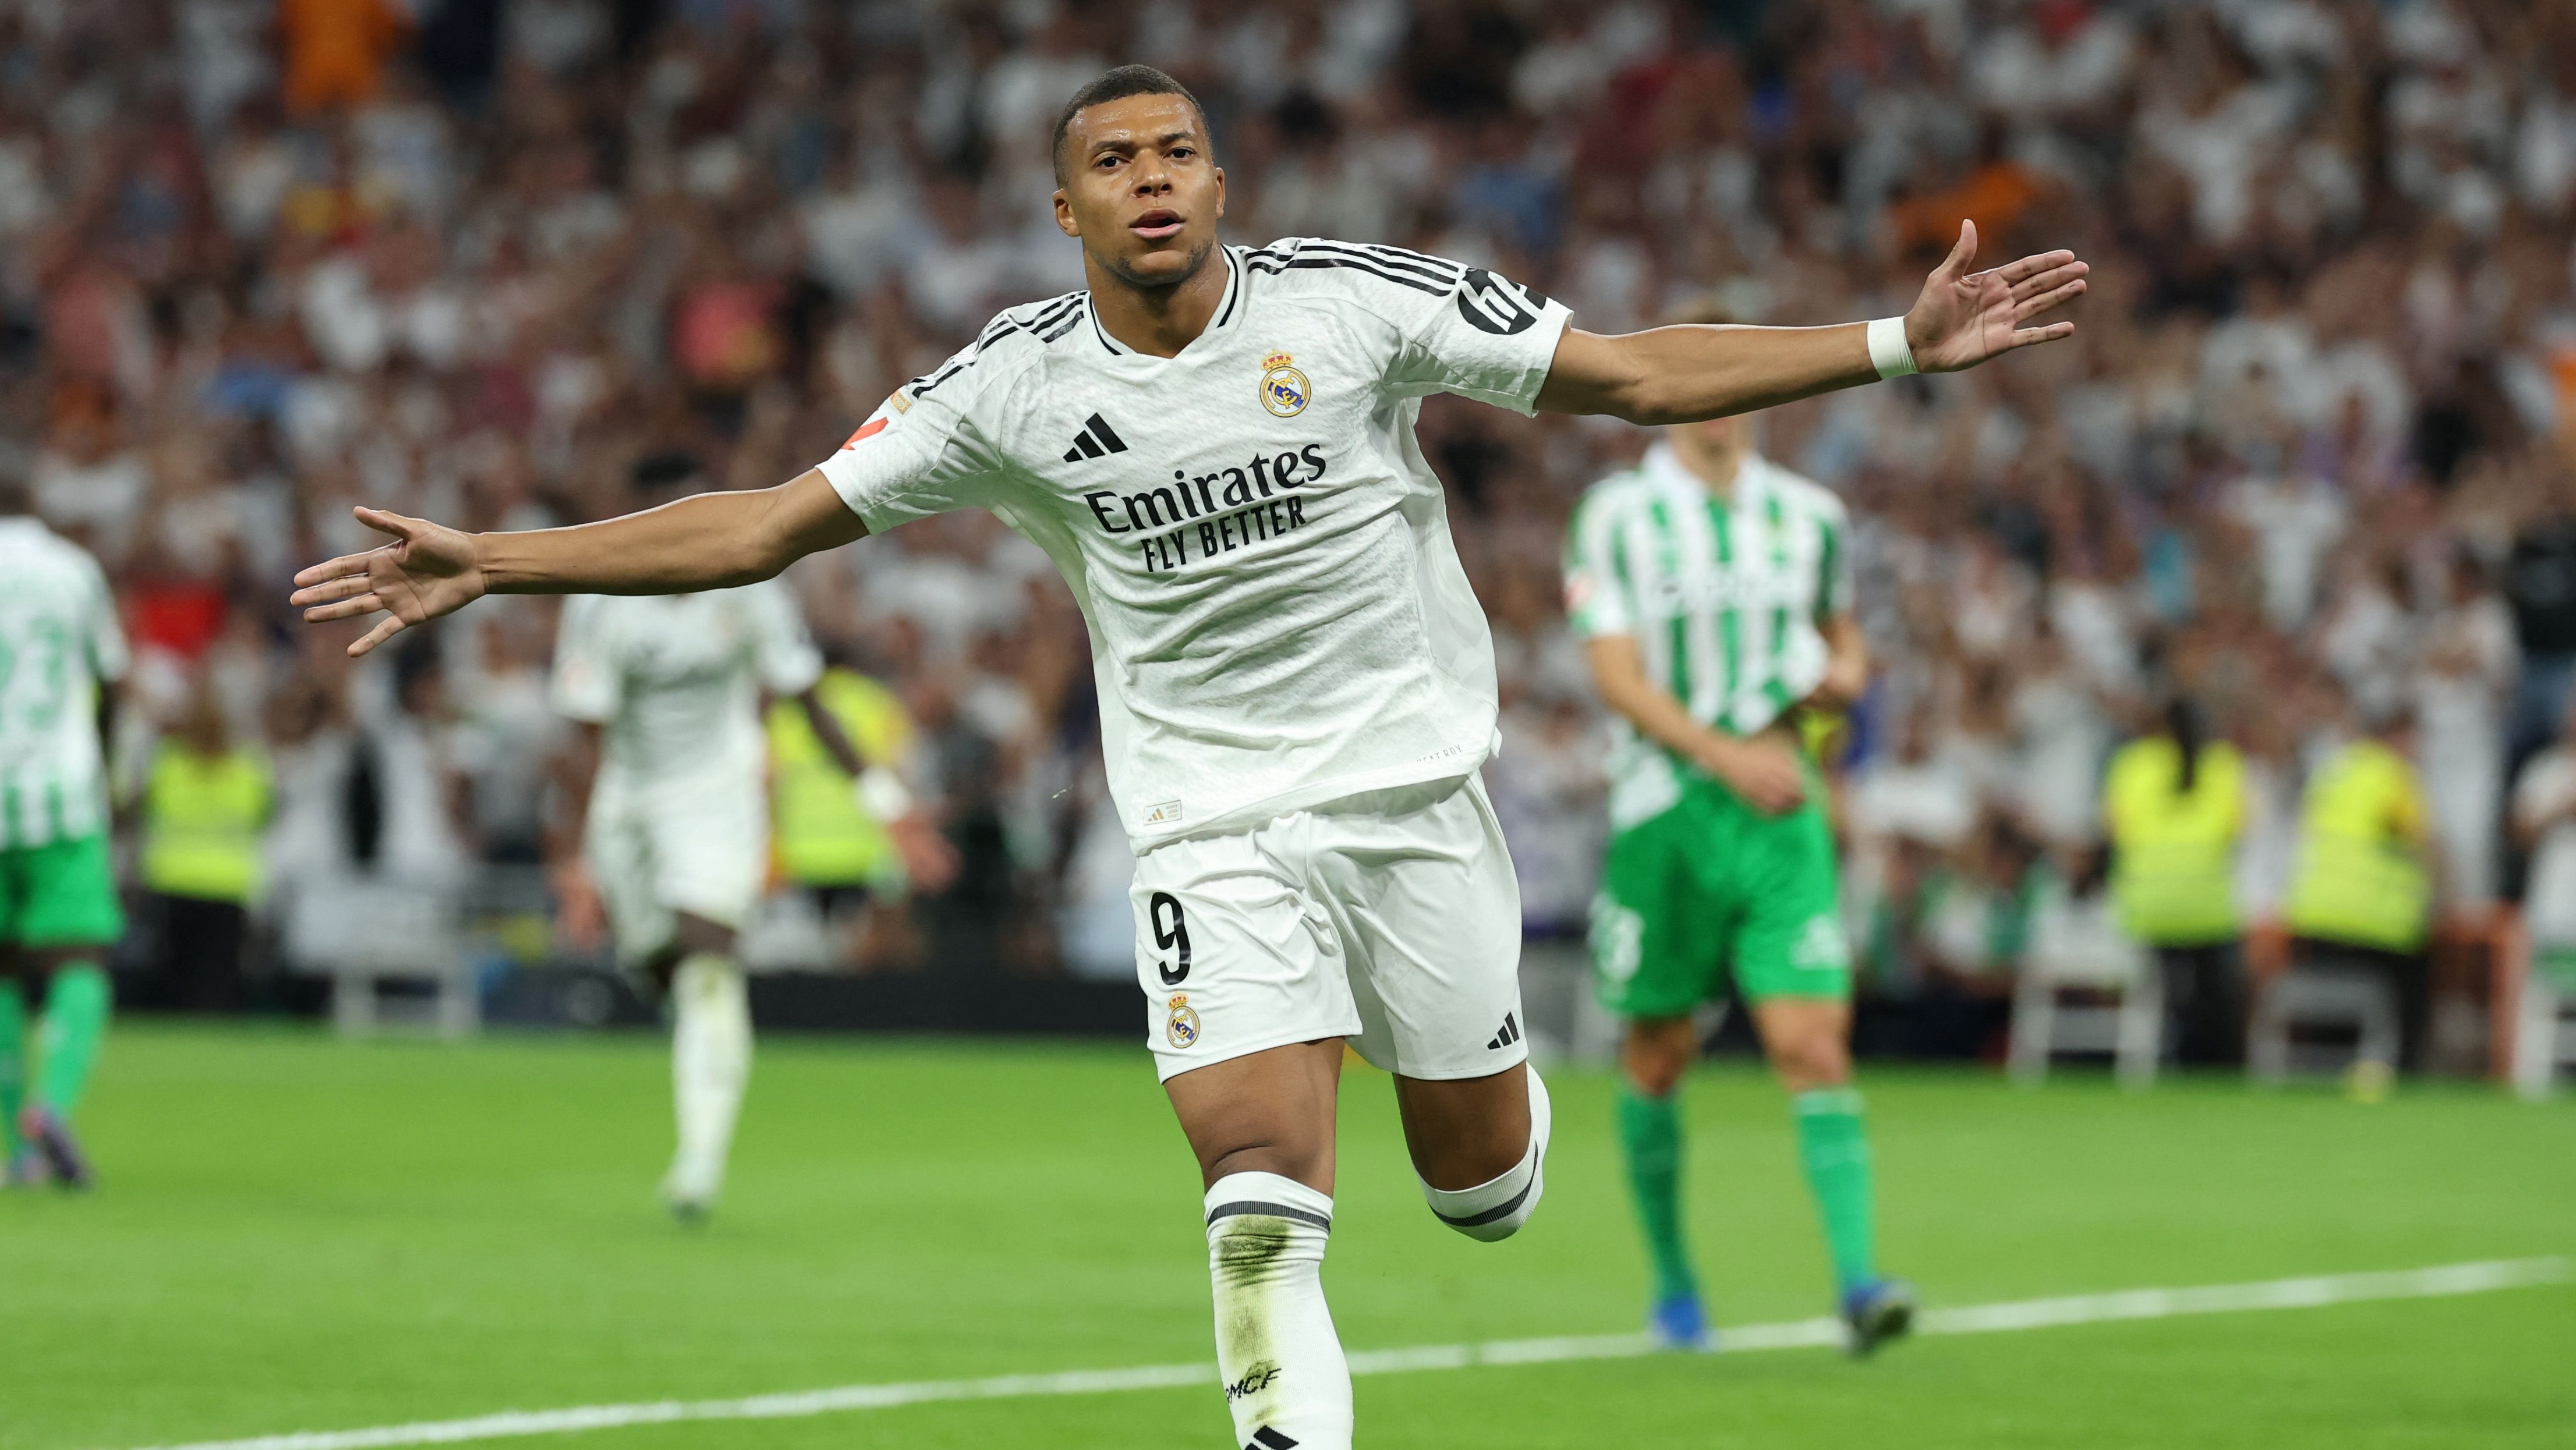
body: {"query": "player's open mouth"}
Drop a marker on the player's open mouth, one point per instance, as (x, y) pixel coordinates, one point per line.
(1157, 224)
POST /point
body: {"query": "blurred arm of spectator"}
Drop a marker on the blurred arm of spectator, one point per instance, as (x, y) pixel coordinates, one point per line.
(929, 861)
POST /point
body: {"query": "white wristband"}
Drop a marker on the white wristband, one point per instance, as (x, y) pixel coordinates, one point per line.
(882, 795)
(1888, 351)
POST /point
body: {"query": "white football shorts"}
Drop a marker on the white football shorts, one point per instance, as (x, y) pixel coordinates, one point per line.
(1391, 919)
(671, 847)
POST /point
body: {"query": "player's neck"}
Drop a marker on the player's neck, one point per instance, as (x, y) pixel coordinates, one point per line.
(1157, 321)
(1715, 468)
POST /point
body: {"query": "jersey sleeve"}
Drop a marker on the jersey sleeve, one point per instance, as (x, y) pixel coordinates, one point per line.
(105, 643)
(587, 684)
(1596, 597)
(921, 452)
(1452, 328)
(783, 649)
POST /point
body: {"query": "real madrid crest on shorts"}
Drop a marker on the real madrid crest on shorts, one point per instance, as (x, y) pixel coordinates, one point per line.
(1183, 1028)
(1283, 388)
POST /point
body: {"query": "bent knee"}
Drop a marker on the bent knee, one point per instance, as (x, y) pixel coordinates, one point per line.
(1499, 1221)
(1808, 1064)
(1658, 1054)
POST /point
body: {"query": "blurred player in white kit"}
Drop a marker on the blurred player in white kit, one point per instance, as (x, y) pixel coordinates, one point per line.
(670, 834)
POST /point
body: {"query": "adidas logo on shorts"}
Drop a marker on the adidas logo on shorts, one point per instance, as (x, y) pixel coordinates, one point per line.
(1266, 1438)
(1510, 1034)
(1095, 439)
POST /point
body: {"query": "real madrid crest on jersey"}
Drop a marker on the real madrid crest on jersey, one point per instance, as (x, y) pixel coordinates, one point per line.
(1283, 388)
(1183, 1028)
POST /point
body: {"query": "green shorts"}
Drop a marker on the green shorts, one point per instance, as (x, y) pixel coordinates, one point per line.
(1709, 884)
(61, 894)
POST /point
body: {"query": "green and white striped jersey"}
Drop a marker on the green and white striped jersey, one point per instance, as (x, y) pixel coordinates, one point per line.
(1724, 596)
(58, 639)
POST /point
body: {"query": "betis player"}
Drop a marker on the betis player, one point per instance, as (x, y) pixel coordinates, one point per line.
(1712, 589)
(1215, 446)
(59, 644)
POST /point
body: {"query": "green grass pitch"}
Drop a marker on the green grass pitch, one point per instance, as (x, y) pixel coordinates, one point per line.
(296, 1233)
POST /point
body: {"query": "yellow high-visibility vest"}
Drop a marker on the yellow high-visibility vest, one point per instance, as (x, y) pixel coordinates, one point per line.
(201, 823)
(821, 836)
(2173, 851)
(2361, 876)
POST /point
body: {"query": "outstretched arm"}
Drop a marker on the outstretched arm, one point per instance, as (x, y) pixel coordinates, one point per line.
(1685, 374)
(706, 541)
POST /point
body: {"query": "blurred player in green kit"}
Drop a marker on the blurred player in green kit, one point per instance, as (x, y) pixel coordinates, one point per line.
(1712, 589)
(59, 643)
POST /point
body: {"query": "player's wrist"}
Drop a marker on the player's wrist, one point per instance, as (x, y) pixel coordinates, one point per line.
(1892, 345)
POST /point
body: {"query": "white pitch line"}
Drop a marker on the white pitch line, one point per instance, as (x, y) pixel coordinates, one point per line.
(2304, 1293)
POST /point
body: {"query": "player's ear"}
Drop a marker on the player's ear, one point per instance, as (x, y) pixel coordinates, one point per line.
(1064, 221)
(1220, 192)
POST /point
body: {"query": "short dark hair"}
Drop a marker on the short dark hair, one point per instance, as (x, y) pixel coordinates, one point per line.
(1117, 84)
(665, 468)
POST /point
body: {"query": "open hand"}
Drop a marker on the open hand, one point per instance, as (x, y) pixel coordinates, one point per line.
(1964, 317)
(429, 570)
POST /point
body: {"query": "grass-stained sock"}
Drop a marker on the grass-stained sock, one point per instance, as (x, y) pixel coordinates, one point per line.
(76, 1008)
(1650, 1138)
(1835, 1148)
(13, 1061)
(1286, 1380)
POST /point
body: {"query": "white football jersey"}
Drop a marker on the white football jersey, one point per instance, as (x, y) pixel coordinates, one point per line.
(1278, 617)
(676, 681)
(58, 639)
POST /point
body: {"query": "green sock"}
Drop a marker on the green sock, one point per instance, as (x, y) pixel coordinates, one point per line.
(13, 1061)
(1650, 1134)
(75, 1021)
(1835, 1149)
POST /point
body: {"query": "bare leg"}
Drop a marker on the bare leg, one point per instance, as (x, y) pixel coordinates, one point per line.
(1465, 1131)
(1479, 1146)
(1808, 1041)
(1270, 1112)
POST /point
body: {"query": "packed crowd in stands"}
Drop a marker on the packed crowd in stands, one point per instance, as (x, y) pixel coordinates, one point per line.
(2308, 462)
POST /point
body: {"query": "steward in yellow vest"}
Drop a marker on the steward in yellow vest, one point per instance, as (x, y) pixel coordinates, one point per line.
(202, 817)
(2361, 879)
(205, 807)
(826, 835)
(2362, 898)
(2174, 803)
(2175, 817)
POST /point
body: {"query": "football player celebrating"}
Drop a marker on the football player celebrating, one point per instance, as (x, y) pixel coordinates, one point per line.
(1215, 446)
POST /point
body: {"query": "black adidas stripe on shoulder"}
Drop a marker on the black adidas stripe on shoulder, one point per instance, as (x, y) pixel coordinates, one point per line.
(1046, 325)
(1371, 268)
(1397, 258)
(1047, 315)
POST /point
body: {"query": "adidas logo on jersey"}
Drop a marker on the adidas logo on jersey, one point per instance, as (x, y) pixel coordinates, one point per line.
(1266, 1438)
(1095, 439)
(1510, 1034)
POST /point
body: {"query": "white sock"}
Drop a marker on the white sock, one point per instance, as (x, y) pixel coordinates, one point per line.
(710, 1064)
(1286, 1382)
(1495, 1210)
